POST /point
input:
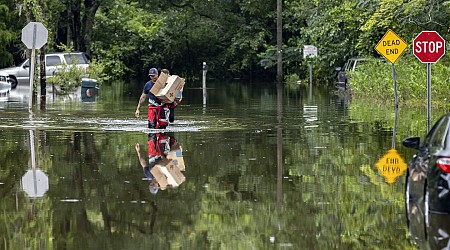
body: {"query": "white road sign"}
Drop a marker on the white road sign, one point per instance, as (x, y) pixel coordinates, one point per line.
(309, 51)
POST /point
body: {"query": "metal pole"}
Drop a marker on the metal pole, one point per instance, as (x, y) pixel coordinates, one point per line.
(310, 83)
(33, 150)
(429, 95)
(32, 60)
(310, 73)
(394, 78)
(204, 83)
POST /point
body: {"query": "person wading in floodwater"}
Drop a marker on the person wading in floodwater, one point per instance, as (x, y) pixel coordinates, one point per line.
(153, 102)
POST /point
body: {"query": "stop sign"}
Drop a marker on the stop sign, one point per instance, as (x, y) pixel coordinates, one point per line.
(429, 47)
(34, 35)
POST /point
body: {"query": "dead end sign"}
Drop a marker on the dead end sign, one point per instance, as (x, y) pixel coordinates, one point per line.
(391, 46)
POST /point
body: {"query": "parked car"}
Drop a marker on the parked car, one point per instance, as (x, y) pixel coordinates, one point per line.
(351, 65)
(428, 173)
(54, 62)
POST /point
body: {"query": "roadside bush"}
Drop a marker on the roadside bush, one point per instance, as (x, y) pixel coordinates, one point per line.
(69, 78)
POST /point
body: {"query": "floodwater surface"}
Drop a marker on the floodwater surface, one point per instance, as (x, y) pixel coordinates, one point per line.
(256, 167)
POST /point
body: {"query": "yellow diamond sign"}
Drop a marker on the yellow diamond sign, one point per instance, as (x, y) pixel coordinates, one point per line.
(391, 166)
(391, 46)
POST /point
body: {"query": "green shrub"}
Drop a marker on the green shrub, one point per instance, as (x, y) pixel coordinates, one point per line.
(69, 77)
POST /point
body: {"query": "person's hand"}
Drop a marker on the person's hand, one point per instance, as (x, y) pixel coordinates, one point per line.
(137, 113)
(138, 147)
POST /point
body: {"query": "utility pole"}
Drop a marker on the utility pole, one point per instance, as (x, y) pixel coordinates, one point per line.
(279, 41)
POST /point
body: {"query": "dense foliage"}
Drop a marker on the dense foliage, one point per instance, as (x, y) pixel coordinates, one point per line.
(236, 38)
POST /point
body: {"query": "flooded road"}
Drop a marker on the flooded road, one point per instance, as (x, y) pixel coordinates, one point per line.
(254, 168)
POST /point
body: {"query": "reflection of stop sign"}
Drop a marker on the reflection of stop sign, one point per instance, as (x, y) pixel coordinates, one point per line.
(35, 183)
(429, 46)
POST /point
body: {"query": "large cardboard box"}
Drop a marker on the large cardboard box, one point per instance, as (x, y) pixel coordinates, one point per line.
(169, 92)
(160, 83)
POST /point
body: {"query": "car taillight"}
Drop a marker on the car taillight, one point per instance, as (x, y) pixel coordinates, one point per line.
(444, 164)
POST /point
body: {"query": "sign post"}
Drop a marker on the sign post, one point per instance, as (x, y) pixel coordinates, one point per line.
(429, 47)
(309, 51)
(391, 46)
(34, 36)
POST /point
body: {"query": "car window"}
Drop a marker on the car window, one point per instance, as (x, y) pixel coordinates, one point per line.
(358, 64)
(437, 135)
(26, 63)
(349, 65)
(53, 61)
(78, 58)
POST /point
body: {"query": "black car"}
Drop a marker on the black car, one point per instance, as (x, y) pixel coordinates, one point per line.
(428, 174)
(429, 231)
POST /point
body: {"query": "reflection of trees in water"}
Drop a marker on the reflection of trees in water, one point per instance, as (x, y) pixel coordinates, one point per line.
(88, 217)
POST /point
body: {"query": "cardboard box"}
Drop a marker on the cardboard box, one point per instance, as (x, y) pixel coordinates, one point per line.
(170, 91)
(160, 83)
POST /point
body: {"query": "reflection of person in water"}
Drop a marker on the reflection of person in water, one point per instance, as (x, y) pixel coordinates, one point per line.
(158, 147)
(154, 156)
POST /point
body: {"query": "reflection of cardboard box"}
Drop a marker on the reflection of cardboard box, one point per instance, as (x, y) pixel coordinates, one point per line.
(159, 175)
(169, 92)
(160, 83)
(167, 174)
(173, 174)
(176, 155)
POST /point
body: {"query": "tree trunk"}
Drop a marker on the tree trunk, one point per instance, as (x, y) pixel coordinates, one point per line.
(91, 7)
(75, 26)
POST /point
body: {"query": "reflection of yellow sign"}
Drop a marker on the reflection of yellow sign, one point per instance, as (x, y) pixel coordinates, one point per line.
(391, 46)
(391, 166)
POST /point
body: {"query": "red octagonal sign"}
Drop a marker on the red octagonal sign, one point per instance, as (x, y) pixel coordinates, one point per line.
(429, 47)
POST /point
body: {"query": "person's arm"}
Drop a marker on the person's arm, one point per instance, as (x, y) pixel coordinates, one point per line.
(141, 101)
(141, 159)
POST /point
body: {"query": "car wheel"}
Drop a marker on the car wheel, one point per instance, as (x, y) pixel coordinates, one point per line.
(13, 82)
